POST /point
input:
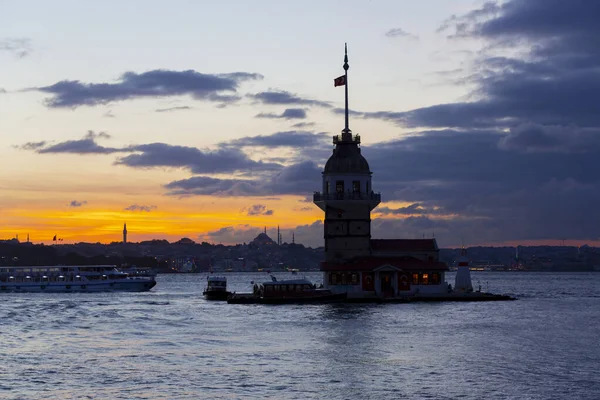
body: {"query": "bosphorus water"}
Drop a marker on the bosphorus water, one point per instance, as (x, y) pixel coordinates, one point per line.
(170, 343)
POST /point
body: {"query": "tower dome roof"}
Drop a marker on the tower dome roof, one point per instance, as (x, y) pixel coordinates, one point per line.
(346, 159)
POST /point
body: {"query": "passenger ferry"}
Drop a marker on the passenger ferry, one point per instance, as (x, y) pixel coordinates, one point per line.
(83, 278)
(290, 291)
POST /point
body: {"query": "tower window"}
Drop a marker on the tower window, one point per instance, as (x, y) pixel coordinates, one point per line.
(367, 187)
(339, 186)
(327, 187)
(356, 186)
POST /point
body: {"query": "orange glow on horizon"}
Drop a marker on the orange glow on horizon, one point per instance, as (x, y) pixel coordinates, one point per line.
(172, 219)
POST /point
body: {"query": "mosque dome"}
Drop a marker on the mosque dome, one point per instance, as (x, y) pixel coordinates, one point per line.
(346, 159)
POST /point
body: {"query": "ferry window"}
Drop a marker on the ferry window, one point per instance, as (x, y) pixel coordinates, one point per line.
(435, 278)
(344, 280)
(425, 279)
(356, 186)
(415, 279)
(339, 186)
(355, 279)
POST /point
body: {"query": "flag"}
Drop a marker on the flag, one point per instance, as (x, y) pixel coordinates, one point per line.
(341, 81)
(54, 239)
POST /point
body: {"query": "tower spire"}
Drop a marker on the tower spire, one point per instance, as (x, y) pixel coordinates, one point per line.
(346, 132)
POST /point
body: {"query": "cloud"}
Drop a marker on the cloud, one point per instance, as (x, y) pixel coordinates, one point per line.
(2, 90)
(18, 47)
(32, 145)
(412, 209)
(283, 97)
(155, 84)
(108, 114)
(157, 155)
(233, 234)
(224, 160)
(170, 109)
(300, 178)
(399, 32)
(139, 207)
(303, 125)
(289, 113)
(87, 145)
(75, 203)
(257, 209)
(297, 139)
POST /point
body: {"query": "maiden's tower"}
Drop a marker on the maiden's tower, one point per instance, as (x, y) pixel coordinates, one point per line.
(363, 267)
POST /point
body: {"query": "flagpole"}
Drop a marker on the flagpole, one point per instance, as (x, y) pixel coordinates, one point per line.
(346, 66)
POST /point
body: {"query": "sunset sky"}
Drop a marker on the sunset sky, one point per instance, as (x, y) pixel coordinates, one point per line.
(212, 120)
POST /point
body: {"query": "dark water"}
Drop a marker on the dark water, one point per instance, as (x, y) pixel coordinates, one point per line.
(171, 344)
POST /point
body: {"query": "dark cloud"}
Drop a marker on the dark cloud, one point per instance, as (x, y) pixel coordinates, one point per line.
(297, 139)
(32, 145)
(283, 97)
(234, 234)
(224, 160)
(87, 145)
(303, 125)
(170, 109)
(412, 209)
(156, 83)
(2, 90)
(204, 185)
(156, 155)
(140, 207)
(399, 32)
(76, 203)
(18, 47)
(298, 178)
(289, 113)
(257, 209)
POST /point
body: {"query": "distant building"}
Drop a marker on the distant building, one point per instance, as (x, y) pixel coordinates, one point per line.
(125, 233)
(355, 263)
(262, 240)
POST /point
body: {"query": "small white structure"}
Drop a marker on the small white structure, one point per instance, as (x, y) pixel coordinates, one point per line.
(462, 282)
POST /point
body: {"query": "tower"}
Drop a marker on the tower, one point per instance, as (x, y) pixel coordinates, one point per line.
(347, 197)
(125, 233)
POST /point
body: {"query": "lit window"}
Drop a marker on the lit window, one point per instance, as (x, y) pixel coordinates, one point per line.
(415, 279)
(425, 279)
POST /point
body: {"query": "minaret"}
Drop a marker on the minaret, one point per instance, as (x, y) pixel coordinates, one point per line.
(278, 236)
(125, 233)
(293, 238)
(347, 198)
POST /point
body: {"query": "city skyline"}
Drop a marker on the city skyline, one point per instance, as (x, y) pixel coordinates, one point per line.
(190, 120)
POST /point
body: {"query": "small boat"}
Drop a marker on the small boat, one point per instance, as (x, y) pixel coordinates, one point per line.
(216, 288)
(81, 278)
(290, 291)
